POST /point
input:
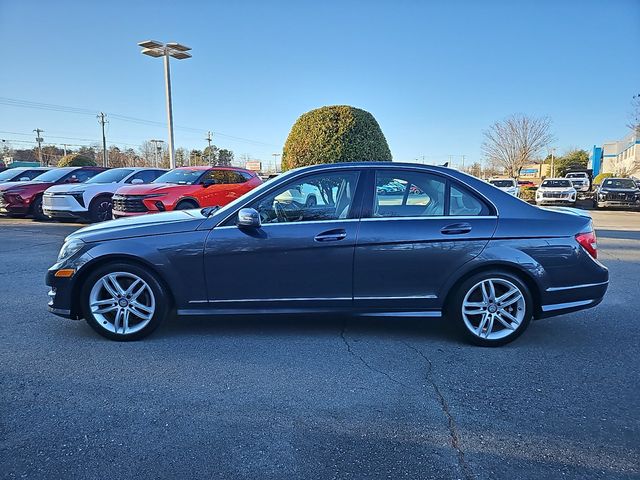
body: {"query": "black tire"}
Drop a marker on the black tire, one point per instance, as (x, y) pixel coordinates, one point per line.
(100, 209)
(37, 212)
(160, 293)
(454, 308)
(186, 205)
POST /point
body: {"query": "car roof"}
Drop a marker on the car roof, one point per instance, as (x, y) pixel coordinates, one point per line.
(213, 167)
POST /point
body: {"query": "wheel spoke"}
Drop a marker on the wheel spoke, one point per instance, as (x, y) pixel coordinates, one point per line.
(504, 322)
(109, 288)
(489, 327)
(116, 321)
(116, 284)
(107, 309)
(492, 290)
(483, 322)
(138, 292)
(132, 286)
(476, 311)
(485, 293)
(510, 317)
(141, 311)
(125, 320)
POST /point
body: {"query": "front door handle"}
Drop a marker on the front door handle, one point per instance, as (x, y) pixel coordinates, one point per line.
(456, 229)
(331, 235)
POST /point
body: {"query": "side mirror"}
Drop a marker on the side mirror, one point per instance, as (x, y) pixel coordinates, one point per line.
(137, 181)
(248, 218)
(207, 182)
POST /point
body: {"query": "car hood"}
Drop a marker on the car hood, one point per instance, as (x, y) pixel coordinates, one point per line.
(150, 188)
(176, 221)
(67, 188)
(10, 186)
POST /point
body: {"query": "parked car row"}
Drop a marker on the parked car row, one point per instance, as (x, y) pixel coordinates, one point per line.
(97, 194)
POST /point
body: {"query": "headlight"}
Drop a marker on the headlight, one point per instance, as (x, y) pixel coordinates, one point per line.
(153, 195)
(69, 248)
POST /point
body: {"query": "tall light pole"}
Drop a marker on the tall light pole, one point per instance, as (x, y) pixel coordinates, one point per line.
(102, 121)
(275, 160)
(208, 139)
(553, 166)
(166, 50)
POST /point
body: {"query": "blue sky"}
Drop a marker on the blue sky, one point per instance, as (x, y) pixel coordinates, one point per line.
(434, 74)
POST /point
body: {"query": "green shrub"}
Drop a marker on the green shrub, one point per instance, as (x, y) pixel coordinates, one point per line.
(334, 134)
(528, 194)
(76, 160)
(600, 177)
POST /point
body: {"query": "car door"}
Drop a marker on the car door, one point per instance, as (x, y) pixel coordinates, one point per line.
(417, 229)
(300, 257)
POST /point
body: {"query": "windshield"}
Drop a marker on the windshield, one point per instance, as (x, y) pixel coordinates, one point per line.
(556, 183)
(111, 176)
(502, 183)
(11, 173)
(575, 175)
(53, 175)
(619, 183)
(180, 177)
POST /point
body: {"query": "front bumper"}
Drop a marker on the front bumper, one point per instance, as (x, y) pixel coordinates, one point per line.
(618, 203)
(556, 201)
(63, 206)
(61, 296)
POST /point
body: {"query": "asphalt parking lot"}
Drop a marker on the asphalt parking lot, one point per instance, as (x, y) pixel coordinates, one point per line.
(317, 398)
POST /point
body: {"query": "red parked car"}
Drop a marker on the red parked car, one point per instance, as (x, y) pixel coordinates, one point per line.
(184, 188)
(25, 198)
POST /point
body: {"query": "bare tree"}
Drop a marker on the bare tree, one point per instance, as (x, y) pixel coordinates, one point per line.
(515, 141)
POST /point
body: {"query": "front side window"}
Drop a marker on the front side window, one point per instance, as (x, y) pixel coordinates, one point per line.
(503, 183)
(409, 194)
(147, 176)
(319, 197)
(81, 176)
(226, 177)
(111, 176)
(180, 176)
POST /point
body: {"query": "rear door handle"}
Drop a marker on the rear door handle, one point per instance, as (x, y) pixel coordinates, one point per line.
(456, 229)
(331, 235)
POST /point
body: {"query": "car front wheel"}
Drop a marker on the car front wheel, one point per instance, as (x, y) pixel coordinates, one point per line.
(492, 308)
(124, 302)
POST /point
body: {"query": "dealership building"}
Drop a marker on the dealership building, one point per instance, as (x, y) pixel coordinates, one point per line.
(619, 157)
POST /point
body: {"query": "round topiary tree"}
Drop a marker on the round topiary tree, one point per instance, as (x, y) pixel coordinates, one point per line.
(76, 160)
(334, 134)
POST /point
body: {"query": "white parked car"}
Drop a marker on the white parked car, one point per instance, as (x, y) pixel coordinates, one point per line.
(91, 200)
(508, 185)
(556, 190)
(580, 181)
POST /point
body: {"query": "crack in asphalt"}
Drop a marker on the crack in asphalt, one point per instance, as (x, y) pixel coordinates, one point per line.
(453, 430)
(364, 362)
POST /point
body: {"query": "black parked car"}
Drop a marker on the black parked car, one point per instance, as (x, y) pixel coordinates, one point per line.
(446, 243)
(617, 192)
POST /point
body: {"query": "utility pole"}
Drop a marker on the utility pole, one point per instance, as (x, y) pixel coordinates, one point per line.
(64, 147)
(157, 148)
(275, 160)
(463, 157)
(39, 139)
(553, 166)
(208, 139)
(101, 120)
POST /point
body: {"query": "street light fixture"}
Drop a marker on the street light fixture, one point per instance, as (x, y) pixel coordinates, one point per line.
(166, 50)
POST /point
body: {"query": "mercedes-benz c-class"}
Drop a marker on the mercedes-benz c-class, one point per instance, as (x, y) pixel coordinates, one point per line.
(439, 243)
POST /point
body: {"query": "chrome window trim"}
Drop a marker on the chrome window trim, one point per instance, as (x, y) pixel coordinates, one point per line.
(434, 217)
(571, 287)
(305, 222)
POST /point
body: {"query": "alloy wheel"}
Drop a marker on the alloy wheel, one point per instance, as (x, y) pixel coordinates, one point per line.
(493, 309)
(122, 303)
(104, 210)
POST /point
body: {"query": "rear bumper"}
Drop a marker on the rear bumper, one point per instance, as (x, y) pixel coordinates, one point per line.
(561, 300)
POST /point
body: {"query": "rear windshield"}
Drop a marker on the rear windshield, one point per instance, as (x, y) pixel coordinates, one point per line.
(556, 183)
(502, 183)
(180, 177)
(111, 176)
(619, 183)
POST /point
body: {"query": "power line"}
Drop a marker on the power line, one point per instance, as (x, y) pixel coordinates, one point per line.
(125, 118)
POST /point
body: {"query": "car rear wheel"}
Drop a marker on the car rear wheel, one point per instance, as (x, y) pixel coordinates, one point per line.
(492, 308)
(124, 302)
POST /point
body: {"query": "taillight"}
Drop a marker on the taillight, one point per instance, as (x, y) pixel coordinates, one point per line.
(589, 242)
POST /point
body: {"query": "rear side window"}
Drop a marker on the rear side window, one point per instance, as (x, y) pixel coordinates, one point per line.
(464, 203)
(226, 177)
(408, 194)
(422, 194)
(82, 175)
